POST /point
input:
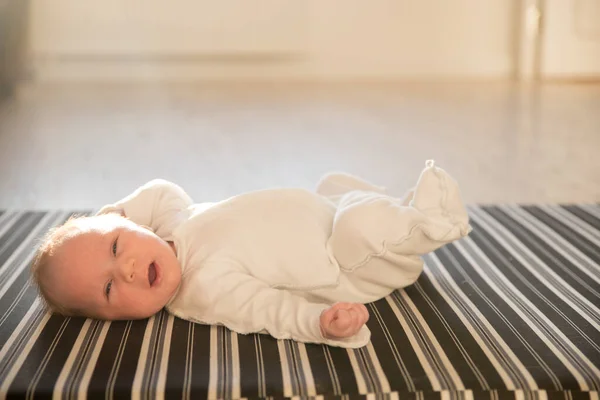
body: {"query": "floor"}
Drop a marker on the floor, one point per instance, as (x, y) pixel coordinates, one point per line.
(81, 146)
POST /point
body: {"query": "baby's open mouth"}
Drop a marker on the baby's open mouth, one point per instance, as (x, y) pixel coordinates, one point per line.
(152, 273)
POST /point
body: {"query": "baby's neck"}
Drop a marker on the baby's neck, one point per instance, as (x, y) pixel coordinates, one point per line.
(173, 247)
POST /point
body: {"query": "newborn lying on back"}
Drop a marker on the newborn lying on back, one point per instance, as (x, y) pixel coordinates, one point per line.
(291, 263)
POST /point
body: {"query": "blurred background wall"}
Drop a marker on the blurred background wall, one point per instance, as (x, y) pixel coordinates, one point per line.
(233, 95)
(305, 40)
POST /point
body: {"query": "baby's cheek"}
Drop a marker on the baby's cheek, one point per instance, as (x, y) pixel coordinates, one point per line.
(148, 302)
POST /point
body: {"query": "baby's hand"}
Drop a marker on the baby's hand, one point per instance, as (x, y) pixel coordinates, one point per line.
(343, 320)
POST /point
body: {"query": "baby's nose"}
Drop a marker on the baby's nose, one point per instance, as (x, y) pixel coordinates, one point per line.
(128, 270)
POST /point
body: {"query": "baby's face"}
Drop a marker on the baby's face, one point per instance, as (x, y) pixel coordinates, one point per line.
(114, 269)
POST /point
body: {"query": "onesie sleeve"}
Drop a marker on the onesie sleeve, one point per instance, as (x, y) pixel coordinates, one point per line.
(246, 305)
(154, 204)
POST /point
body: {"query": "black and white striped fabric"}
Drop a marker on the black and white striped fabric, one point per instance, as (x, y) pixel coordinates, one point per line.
(512, 311)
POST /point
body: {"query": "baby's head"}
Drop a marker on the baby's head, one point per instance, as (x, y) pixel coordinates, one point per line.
(105, 267)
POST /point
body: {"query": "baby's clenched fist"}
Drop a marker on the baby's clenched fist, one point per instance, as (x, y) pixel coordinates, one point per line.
(343, 320)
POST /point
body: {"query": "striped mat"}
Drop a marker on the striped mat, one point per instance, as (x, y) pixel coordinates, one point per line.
(512, 311)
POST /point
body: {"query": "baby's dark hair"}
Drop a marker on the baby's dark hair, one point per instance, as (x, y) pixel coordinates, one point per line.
(43, 261)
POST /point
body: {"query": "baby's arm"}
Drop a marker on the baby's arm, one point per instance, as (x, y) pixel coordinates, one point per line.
(155, 204)
(247, 305)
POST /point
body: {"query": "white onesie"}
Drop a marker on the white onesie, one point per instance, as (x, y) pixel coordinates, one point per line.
(270, 261)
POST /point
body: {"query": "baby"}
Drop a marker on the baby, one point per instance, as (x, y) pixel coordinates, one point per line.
(291, 263)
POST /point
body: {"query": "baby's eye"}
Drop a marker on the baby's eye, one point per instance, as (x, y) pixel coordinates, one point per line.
(114, 247)
(107, 290)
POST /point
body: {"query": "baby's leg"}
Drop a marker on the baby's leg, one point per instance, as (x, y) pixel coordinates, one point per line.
(378, 240)
(335, 185)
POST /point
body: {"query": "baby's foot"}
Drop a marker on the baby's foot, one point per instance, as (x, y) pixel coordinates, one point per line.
(343, 320)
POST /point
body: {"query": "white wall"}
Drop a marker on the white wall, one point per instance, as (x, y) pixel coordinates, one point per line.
(570, 45)
(318, 39)
(158, 27)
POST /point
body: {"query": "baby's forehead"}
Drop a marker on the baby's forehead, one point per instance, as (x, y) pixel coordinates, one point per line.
(87, 229)
(96, 224)
(77, 241)
(82, 243)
